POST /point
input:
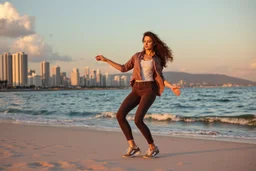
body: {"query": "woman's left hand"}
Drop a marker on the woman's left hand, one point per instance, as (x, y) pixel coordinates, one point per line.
(175, 89)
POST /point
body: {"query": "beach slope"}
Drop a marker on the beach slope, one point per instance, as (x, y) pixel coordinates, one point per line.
(32, 147)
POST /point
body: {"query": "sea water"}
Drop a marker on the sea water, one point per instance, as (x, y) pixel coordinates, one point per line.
(227, 114)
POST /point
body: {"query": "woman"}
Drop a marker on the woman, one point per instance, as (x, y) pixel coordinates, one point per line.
(147, 83)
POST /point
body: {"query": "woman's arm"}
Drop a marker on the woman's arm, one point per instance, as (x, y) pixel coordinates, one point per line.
(173, 87)
(123, 68)
(112, 63)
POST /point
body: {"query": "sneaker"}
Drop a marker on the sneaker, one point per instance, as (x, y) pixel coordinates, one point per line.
(132, 151)
(151, 153)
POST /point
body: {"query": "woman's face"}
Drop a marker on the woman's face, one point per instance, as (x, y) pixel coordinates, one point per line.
(148, 43)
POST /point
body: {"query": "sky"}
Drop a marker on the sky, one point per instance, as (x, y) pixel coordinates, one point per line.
(214, 36)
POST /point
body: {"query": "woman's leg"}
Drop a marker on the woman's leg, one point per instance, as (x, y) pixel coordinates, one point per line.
(147, 99)
(130, 102)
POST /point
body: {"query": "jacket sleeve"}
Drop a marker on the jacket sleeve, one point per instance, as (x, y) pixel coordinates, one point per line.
(129, 64)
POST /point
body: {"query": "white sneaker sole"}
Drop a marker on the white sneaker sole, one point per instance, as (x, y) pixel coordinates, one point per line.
(135, 154)
(151, 157)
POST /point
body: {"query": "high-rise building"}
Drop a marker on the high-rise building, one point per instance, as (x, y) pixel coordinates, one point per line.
(56, 79)
(75, 77)
(82, 81)
(20, 69)
(108, 80)
(37, 80)
(98, 77)
(30, 80)
(102, 80)
(124, 81)
(87, 81)
(87, 76)
(86, 72)
(50, 82)
(6, 67)
(45, 73)
(117, 80)
(63, 74)
(31, 72)
(93, 78)
(63, 78)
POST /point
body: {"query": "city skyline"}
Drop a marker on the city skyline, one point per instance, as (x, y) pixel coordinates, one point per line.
(14, 70)
(206, 37)
(15, 73)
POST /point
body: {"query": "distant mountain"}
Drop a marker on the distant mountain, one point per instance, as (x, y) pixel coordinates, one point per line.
(208, 79)
(215, 79)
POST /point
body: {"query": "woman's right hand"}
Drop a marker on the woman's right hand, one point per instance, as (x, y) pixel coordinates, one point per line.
(175, 89)
(101, 58)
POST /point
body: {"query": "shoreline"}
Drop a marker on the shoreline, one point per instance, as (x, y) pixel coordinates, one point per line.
(32, 90)
(28, 147)
(100, 88)
(118, 130)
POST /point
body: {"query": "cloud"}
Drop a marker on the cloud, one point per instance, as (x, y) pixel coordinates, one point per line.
(18, 34)
(36, 48)
(4, 45)
(12, 24)
(253, 65)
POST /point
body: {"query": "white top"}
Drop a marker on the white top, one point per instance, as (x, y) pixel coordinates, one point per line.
(147, 70)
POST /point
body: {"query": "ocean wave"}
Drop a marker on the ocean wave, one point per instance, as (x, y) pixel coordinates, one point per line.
(213, 100)
(73, 113)
(184, 106)
(45, 112)
(248, 119)
(32, 112)
(207, 95)
(222, 100)
(106, 115)
(193, 132)
(232, 92)
(196, 100)
(14, 104)
(252, 108)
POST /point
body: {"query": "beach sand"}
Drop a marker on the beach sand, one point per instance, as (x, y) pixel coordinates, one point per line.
(32, 147)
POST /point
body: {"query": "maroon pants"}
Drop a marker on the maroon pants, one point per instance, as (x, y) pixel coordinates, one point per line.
(144, 95)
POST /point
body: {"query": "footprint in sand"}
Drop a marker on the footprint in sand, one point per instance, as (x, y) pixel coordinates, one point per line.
(66, 165)
(59, 165)
(15, 166)
(182, 163)
(163, 170)
(9, 151)
(62, 165)
(36, 155)
(42, 164)
(5, 154)
(93, 165)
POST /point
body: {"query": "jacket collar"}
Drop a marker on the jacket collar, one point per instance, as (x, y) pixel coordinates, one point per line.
(141, 55)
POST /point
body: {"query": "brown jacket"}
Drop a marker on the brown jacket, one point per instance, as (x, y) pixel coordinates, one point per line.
(134, 63)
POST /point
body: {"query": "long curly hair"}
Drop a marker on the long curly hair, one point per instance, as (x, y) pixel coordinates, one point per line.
(162, 51)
